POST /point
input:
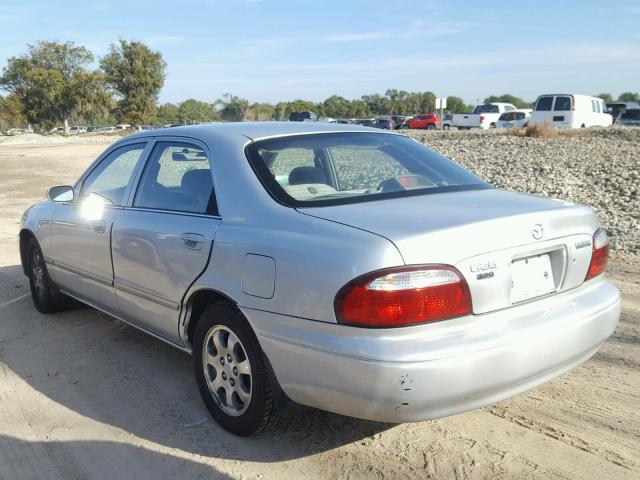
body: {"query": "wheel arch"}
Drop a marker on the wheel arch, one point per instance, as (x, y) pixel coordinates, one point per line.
(25, 238)
(195, 305)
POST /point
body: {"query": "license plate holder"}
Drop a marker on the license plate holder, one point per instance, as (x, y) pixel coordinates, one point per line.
(531, 277)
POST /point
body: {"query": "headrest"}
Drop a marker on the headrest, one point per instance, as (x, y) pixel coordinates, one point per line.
(303, 175)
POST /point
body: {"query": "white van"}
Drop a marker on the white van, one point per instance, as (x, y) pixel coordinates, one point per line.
(571, 111)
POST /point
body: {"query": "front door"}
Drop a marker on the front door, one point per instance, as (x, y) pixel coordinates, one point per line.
(81, 229)
(162, 242)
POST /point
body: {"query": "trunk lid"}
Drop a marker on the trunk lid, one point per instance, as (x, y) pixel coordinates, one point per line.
(510, 247)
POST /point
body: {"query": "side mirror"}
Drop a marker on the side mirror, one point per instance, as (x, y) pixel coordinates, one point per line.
(61, 193)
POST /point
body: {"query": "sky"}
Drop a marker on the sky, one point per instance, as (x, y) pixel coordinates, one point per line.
(275, 50)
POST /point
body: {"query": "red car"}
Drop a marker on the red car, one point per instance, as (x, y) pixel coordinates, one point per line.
(427, 121)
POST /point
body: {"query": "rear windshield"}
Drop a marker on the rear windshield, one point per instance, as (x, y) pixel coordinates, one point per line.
(544, 104)
(487, 109)
(341, 168)
(631, 115)
(562, 104)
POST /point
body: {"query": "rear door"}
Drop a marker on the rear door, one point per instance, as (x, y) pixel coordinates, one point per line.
(563, 111)
(162, 240)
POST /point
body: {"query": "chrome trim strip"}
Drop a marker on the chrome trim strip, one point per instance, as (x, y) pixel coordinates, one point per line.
(83, 273)
(117, 317)
(173, 212)
(146, 295)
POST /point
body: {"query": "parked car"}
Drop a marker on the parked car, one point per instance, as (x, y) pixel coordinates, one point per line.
(630, 118)
(406, 287)
(426, 121)
(122, 126)
(106, 129)
(398, 121)
(616, 109)
(571, 111)
(77, 129)
(385, 123)
(514, 119)
(303, 117)
(405, 123)
(483, 116)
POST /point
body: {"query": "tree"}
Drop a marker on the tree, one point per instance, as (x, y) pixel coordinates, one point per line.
(336, 107)
(52, 83)
(261, 111)
(136, 74)
(11, 112)
(457, 105)
(629, 97)
(607, 97)
(232, 108)
(166, 114)
(507, 98)
(195, 111)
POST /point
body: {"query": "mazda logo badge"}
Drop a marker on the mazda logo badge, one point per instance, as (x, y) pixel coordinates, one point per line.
(537, 231)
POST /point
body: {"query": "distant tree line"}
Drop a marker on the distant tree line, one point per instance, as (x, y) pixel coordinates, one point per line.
(52, 84)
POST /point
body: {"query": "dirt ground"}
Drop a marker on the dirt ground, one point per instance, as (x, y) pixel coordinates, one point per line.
(83, 396)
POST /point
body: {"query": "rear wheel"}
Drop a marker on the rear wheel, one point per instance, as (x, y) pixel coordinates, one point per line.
(492, 125)
(445, 126)
(431, 126)
(231, 371)
(46, 296)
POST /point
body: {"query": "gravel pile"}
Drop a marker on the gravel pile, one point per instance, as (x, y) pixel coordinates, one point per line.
(600, 168)
(34, 138)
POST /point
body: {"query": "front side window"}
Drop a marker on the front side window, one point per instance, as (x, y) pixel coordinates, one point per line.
(544, 104)
(353, 167)
(111, 177)
(563, 104)
(177, 177)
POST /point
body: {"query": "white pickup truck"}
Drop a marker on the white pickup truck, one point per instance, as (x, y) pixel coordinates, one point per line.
(483, 116)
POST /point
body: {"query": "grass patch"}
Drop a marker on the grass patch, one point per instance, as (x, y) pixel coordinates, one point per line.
(535, 130)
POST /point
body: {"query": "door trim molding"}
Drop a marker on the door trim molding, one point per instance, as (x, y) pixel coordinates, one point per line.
(83, 273)
(152, 297)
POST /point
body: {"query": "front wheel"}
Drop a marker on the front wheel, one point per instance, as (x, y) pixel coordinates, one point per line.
(231, 371)
(445, 127)
(45, 294)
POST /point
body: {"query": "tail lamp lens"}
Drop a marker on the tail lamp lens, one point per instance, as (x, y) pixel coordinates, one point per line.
(599, 254)
(403, 296)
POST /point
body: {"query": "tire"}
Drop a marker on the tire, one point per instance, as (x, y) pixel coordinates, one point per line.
(46, 296)
(431, 126)
(445, 127)
(241, 400)
(492, 125)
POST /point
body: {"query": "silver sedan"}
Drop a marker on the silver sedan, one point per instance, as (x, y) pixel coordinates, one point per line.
(335, 266)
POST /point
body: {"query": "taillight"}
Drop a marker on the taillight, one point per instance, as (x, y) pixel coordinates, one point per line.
(403, 296)
(481, 118)
(599, 254)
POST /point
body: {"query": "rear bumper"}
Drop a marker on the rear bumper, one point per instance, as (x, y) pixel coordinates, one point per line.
(431, 371)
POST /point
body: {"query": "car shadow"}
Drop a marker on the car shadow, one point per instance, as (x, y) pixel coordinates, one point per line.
(103, 369)
(93, 460)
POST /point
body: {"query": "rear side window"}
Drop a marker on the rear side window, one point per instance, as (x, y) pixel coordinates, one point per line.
(544, 104)
(519, 115)
(487, 109)
(177, 177)
(111, 177)
(562, 104)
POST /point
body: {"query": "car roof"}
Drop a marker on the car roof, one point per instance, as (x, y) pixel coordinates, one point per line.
(254, 130)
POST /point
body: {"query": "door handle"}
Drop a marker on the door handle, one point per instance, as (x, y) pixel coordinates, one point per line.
(193, 241)
(99, 226)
